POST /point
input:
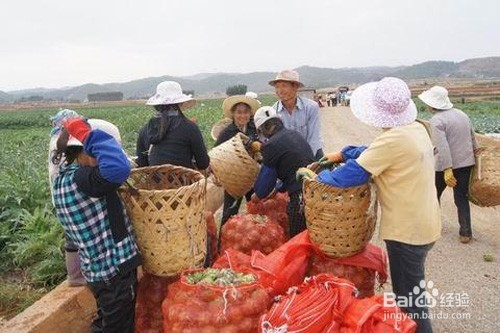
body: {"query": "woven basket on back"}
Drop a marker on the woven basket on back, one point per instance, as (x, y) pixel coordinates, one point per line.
(234, 168)
(484, 186)
(219, 126)
(340, 221)
(166, 205)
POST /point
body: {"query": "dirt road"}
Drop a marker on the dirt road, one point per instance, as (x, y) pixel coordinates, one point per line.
(458, 271)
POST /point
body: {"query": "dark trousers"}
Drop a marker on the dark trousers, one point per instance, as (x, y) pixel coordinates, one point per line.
(460, 196)
(295, 212)
(407, 265)
(232, 206)
(115, 303)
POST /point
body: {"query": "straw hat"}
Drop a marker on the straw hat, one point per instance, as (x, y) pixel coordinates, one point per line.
(170, 92)
(102, 125)
(231, 101)
(263, 114)
(287, 75)
(386, 103)
(437, 98)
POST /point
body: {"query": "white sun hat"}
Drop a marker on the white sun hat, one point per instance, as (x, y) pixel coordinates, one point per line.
(231, 101)
(287, 75)
(170, 92)
(263, 114)
(437, 98)
(386, 103)
(102, 125)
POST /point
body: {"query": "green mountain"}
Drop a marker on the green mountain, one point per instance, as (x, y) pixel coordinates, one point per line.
(217, 83)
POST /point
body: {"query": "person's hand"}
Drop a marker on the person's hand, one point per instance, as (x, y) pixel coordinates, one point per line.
(328, 160)
(78, 128)
(304, 173)
(255, 146)
(478, 150)
(449, 178)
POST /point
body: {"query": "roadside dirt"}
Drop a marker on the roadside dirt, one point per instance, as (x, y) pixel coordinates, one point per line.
(458, 271)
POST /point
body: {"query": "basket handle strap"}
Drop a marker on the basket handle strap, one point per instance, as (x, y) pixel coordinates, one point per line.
(131, 188)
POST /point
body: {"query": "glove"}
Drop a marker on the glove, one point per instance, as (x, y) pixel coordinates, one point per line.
(304, 173)
(449, 178)
(255, 146)
(329, 160)
(78, 128)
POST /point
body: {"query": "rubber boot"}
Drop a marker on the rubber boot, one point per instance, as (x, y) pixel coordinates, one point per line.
(75, 277)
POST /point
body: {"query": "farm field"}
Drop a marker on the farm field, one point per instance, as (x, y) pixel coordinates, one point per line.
(31, 256)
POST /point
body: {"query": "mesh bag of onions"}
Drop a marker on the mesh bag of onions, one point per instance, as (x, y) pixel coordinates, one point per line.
(214, 300)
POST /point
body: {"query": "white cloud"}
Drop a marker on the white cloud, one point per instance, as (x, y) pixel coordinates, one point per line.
(57, 43)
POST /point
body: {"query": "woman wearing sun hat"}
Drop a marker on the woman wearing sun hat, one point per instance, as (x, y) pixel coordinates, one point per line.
(455, 141)
(240, 109)
(169, 137)
(401, 164)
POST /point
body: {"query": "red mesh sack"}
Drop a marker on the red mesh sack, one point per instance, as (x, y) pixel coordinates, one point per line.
(286, 265)
(274, 207)
(369, 315)
(362, 269)
(247, 232)
(151, 291)
(208, 308)
(212, 238)
(314, 306)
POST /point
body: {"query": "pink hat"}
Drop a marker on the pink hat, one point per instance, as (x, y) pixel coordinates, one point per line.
(386, 103)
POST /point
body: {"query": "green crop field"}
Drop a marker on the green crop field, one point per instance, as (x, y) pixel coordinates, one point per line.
(31, 239)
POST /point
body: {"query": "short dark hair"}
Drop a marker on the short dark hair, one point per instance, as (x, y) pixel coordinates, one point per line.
(70, 153)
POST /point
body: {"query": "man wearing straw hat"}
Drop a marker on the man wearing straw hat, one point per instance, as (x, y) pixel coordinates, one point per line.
(456, 143)
(297, 113)
(401, 164)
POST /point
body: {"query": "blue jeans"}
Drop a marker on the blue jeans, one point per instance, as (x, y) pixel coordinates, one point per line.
(407, 270)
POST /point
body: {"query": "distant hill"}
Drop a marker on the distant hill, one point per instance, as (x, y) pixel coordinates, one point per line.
(4, 97)
(217, 83)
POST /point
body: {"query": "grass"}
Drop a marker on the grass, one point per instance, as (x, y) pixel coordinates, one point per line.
(31, 238)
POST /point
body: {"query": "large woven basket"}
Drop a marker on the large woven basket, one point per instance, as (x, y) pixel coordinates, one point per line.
(484, 186)
(166, 205)
(340, 221)
(233, 167)
(219, 126)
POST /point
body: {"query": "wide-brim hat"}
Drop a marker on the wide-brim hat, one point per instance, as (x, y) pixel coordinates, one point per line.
(102, 125)
(287, 75)
(437, 98)
(170, 92)
(386, 103)
(231, 101)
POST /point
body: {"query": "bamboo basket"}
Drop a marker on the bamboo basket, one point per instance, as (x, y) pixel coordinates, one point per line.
(340, 221)
(166, 205)
(219, 126)
(233, 167)
(484, 185)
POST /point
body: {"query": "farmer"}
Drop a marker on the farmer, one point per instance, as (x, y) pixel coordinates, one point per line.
(240, 109)
(401, 163)
(283, 153)
(297, 113)
(94, 218)
(456, 144)
(169, 137)
(75, 277)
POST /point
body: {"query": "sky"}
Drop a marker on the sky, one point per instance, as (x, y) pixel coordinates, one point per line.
(63, 43)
